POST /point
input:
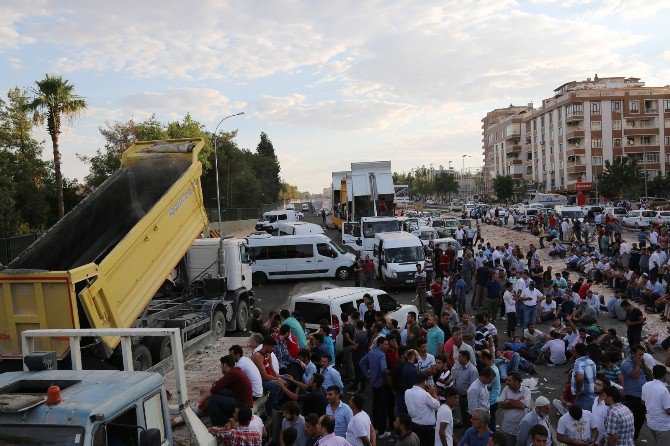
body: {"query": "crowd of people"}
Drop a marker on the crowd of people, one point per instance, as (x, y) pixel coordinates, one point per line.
(446, 376)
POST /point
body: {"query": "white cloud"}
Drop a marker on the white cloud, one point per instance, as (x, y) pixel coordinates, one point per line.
(340, 115)
(16, 63)
(201, 103)
(665, 55)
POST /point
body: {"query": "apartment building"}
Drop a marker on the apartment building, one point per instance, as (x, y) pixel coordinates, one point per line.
(504, 151)
(581, 126)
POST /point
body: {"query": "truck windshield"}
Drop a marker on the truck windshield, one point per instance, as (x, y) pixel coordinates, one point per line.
(41, 435)
(408, 254)
(371, 228)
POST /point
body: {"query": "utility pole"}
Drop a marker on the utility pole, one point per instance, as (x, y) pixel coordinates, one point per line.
(216, 171)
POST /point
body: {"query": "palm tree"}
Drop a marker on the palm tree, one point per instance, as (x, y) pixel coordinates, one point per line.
(54, 98)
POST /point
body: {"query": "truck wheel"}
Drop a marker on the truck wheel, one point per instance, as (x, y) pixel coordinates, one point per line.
(141, 357)
(161, 349)
(342, 273)
(219, 324)
(242, 315)
(259, 278)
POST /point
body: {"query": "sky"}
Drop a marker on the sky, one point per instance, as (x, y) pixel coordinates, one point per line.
(330, 82)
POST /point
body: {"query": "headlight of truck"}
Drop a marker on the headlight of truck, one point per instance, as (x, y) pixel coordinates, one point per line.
(393, 273)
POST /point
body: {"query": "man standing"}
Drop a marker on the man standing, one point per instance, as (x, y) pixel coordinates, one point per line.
(368, 272)
(444, 424)
(657, 402)
(296, 328)
(515, 400)
(529, 297)
(413, 331)
(426, 362)
(422, 402)
(478, 392)
(494, 390)
(420, 282)
(538, 416)
(465, 373)
(634, 321)
(599, 410)
(492, 296)
(635, 373)
(339, 410)
(483, 276)
(293, 419)
(434, 336)
(374, 365)
(583, 378)
(360, 431)
(479, 433)
(619, 424)
(348, 334)
(331, 377)
(357, 270)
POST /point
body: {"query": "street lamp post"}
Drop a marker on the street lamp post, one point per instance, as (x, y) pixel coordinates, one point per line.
(216, 171)
(463, 168)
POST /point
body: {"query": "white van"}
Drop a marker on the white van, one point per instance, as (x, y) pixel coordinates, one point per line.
(569, 212)
(296, 257)
(269, 222)
(640, 218)
(360, 236)
(298, 228)
(395, 255)
(329, 305)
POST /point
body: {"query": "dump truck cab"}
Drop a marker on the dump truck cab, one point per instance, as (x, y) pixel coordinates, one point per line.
(97, 407)
(42, 405)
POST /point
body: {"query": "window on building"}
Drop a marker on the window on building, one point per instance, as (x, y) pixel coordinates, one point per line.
(616, 142)
(667, 140)
(551, 117)
(595, 108)
(551, 133)
(634, 106)
(651, 158)
(560, 131)
(646, 140)
(560, 147)
(630, 141)
(616, 125)
(597, 160)
(667, 158)
(574, 109)
(667, 104)
(616, 106)
(631, 123)
(596, 125)
(596, 143)
(667, 123)
(551, 166)
(650, 106)
(561, 164)
(560, 109)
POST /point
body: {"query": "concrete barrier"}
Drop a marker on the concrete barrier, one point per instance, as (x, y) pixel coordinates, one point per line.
(230, 227)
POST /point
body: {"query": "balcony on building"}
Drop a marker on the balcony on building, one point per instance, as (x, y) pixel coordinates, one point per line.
(574, 113)
(651, 106)
(574, 132)
(513, 131)
(642, 126)
(641, 144)
(512, 148)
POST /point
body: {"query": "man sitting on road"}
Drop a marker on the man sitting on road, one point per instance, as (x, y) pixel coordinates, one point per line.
(226, 393)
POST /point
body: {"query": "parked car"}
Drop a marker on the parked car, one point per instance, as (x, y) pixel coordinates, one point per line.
(329, 304)
(640, 218)
(663, 216)
(617, 212)
(305, 207)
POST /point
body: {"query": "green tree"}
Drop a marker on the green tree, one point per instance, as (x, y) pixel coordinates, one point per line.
(54, 100)
(22, 172)
(659, 186)
(288, 191)
(268, 169)
(620, 178)
(400, 178)
(446, 184)
(503, 185)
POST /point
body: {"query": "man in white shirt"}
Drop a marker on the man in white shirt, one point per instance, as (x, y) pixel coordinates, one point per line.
(530, 297)
(359, 431)
(556, 348)
(575, 426)
(657, 401)
(458, 235)
(599, 411)
(515, 400)
(422, 402)
(444, 423)
(249, 368)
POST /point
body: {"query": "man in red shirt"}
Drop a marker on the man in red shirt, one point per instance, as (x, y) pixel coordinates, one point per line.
(436, 292)
(552, 222)
(585, 288)
(227, 393)
(240, 433)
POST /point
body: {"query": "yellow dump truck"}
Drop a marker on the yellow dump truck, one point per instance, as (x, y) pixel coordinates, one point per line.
(118, 260)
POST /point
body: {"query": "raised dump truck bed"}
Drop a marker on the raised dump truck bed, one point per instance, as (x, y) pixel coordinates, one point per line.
(101, 265)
